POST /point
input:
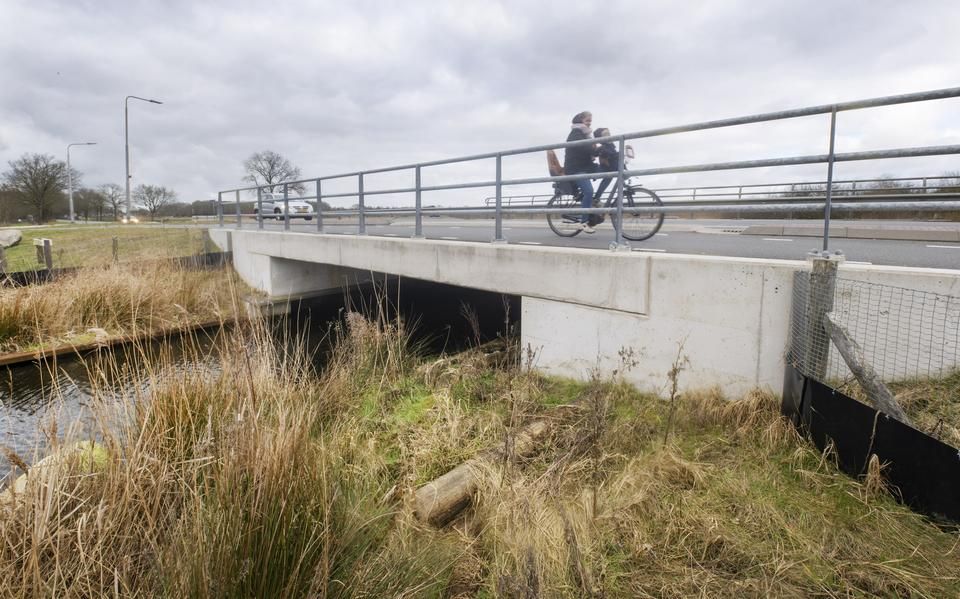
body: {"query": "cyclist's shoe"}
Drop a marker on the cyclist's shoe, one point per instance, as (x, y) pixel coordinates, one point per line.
(587, 228)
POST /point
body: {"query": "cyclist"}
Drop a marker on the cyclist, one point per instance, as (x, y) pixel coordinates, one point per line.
(579, 159)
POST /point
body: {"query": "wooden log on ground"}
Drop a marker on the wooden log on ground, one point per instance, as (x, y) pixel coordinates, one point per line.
(878, 393)
(439, 501)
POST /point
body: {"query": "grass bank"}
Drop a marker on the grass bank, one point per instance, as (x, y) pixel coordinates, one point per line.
(92, 245)
(116, 300)
(264, 476)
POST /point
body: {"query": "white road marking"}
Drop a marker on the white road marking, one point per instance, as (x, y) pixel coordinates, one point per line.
(449, 238)
(663, 235)
(529, 242)
(856, 262)
(776, 239)
(946, 247)
(390, 235)
(648, 250)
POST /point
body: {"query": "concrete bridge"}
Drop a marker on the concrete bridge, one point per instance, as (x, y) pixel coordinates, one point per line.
(583, 310)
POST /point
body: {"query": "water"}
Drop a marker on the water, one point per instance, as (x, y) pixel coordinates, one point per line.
(41, 399)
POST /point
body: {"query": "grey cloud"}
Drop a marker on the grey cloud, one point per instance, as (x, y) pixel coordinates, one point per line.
(337, 88)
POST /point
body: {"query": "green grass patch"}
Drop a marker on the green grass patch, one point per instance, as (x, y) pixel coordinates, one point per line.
(92, 245)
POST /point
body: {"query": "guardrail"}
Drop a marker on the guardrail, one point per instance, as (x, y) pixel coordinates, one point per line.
(902, 187)
(809, 203)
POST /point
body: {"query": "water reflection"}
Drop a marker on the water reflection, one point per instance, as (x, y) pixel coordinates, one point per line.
(42, 399)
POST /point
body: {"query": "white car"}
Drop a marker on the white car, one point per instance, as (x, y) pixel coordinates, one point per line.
(273, 205)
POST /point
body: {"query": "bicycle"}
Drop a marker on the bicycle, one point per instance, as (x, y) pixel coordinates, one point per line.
(636, 226)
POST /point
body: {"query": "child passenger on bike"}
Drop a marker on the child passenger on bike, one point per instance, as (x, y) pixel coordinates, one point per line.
(609, 159)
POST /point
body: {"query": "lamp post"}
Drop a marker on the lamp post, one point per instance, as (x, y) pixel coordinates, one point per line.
(126, 138)
(70, 173)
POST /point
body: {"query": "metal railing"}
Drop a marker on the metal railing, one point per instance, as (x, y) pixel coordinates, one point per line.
(886, 188)
(823, 203)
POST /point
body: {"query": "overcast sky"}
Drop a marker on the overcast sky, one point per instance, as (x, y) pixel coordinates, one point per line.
(338, 87)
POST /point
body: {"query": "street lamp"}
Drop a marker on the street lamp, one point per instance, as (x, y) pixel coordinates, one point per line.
(126, 138)
(70, 173)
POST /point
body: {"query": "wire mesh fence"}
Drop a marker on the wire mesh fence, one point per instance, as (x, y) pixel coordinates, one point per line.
(905, 334)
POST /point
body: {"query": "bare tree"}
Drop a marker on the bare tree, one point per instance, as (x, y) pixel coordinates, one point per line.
(38, 180)
(90, 203)
(154, 198)
(269, 168)
(114, 196)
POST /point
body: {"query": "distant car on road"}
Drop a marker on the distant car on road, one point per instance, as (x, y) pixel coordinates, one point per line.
(273, 205)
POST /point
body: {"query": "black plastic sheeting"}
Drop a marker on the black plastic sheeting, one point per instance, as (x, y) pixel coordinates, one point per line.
(924, 471)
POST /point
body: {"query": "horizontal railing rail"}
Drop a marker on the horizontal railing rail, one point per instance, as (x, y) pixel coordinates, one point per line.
(745, 202)
(929, 186)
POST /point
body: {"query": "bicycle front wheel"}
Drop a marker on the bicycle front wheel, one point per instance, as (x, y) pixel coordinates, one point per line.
(564, 225)
(641, 225)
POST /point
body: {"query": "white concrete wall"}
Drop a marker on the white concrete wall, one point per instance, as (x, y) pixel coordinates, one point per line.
(731, 315)
(583, 309)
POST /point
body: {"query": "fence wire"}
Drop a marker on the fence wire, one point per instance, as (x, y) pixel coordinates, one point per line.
(905, 334)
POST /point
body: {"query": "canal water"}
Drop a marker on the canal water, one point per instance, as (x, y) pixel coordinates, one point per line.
(39, 400)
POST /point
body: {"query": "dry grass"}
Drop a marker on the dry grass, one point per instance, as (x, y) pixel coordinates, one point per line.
(737, 505)
(120, 299)
(262, 476)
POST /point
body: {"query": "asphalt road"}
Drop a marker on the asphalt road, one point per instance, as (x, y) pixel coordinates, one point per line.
(698, 237)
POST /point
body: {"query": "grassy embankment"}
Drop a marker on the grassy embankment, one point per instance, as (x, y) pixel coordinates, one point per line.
(264, 477)
(98, 303)
(92, 245)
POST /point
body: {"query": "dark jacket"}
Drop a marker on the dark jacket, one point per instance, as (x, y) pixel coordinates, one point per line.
(609, 157)
(579, 159)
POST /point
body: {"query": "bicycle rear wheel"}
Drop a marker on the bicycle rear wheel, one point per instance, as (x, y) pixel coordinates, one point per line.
(564, 225)
(641, 225)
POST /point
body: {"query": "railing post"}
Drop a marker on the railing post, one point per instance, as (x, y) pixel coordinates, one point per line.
(829, 198)
(286, 206)
(363, 217)
(740, 193)
(260, 208)
(239, 224)
(219, 208)
(924, 185)
(814, 347)
(498, 218)
(618, 226)
(418, 207)
(319, 209)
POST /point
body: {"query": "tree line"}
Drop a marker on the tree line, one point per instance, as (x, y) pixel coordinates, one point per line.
(35, 188)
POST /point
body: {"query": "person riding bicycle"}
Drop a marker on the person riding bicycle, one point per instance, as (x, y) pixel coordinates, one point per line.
(579, 159)
(609, 159)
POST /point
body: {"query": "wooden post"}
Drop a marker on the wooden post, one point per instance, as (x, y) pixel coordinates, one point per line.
(878, 393)
(116, 250)
(439, 501)
(816, 344)
(44, 251)
(3, 260)
(48, 253)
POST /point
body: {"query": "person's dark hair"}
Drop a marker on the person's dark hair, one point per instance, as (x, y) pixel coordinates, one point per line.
(601, 132)
(578, 118)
